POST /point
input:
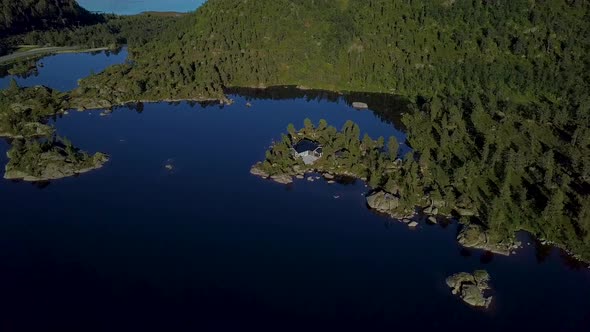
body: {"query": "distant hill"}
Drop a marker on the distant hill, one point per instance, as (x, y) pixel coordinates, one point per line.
(18, 16)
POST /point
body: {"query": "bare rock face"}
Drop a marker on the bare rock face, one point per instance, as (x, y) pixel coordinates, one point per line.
(474, 236)
(471, 288)
(282, 179)
(328, 176)
(83, 104)
(383, 201)
(256, 170)
(387, 203)
(360, 106)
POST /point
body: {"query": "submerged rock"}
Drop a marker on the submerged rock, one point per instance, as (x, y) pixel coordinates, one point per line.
(471, 288)
(474, 236)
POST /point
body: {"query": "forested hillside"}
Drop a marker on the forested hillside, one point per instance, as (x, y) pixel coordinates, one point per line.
(133, 30)
(19, 16)
(517, 48)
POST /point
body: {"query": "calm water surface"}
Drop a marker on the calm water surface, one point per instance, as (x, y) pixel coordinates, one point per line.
(208, 247)
(129, 7)
(62, 71)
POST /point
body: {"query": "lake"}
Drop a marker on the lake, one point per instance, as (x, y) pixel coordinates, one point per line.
(130, 7)
(209, 247)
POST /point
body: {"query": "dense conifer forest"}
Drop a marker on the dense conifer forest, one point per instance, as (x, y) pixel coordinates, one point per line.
(498, 91)
(20, 16)
(70, 25)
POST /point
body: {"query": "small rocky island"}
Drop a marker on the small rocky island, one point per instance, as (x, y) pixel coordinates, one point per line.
(324, 149)
(473, 288)
(43, 160)
(36, 153)
(23, 111)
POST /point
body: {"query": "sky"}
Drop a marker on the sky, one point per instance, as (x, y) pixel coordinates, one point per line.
(128, 7)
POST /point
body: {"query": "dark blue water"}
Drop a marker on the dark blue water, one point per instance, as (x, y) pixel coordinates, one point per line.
(208, 247)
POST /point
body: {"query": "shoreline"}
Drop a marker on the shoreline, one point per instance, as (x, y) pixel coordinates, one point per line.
(47, 51)
(108, 105)
(420, 216)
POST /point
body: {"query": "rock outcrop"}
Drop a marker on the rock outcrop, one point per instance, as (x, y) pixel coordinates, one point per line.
(257, 170)
(385, 202)
(282, 179)
(360, 106)
(471, 288)
(474, 236)
(52, 166)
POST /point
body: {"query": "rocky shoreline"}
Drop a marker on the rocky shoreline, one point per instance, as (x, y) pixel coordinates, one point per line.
(33, 161)
(474, 236)
(51, 173)
(283, 167)
(82, 104)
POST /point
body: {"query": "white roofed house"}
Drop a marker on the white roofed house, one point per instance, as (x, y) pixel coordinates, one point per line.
(307, 150)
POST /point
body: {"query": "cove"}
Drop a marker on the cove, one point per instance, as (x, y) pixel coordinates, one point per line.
(208, 246)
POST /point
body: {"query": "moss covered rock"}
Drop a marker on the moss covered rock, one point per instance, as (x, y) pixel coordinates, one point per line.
(42, 161)
(471, 288)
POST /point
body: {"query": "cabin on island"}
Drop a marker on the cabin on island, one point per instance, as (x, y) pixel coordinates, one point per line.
(307, 150)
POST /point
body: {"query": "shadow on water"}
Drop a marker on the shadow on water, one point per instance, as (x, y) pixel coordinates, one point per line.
(389, 108)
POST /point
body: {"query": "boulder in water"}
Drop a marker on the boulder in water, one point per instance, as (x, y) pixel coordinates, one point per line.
(471, 288)
(360, 106)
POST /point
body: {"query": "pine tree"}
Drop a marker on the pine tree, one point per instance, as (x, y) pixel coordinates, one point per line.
(393, 148)
(13, 86)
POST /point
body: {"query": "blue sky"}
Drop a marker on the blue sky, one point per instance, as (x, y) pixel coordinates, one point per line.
(127, 7)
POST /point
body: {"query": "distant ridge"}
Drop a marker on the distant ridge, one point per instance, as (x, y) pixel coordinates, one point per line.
(19, 16)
